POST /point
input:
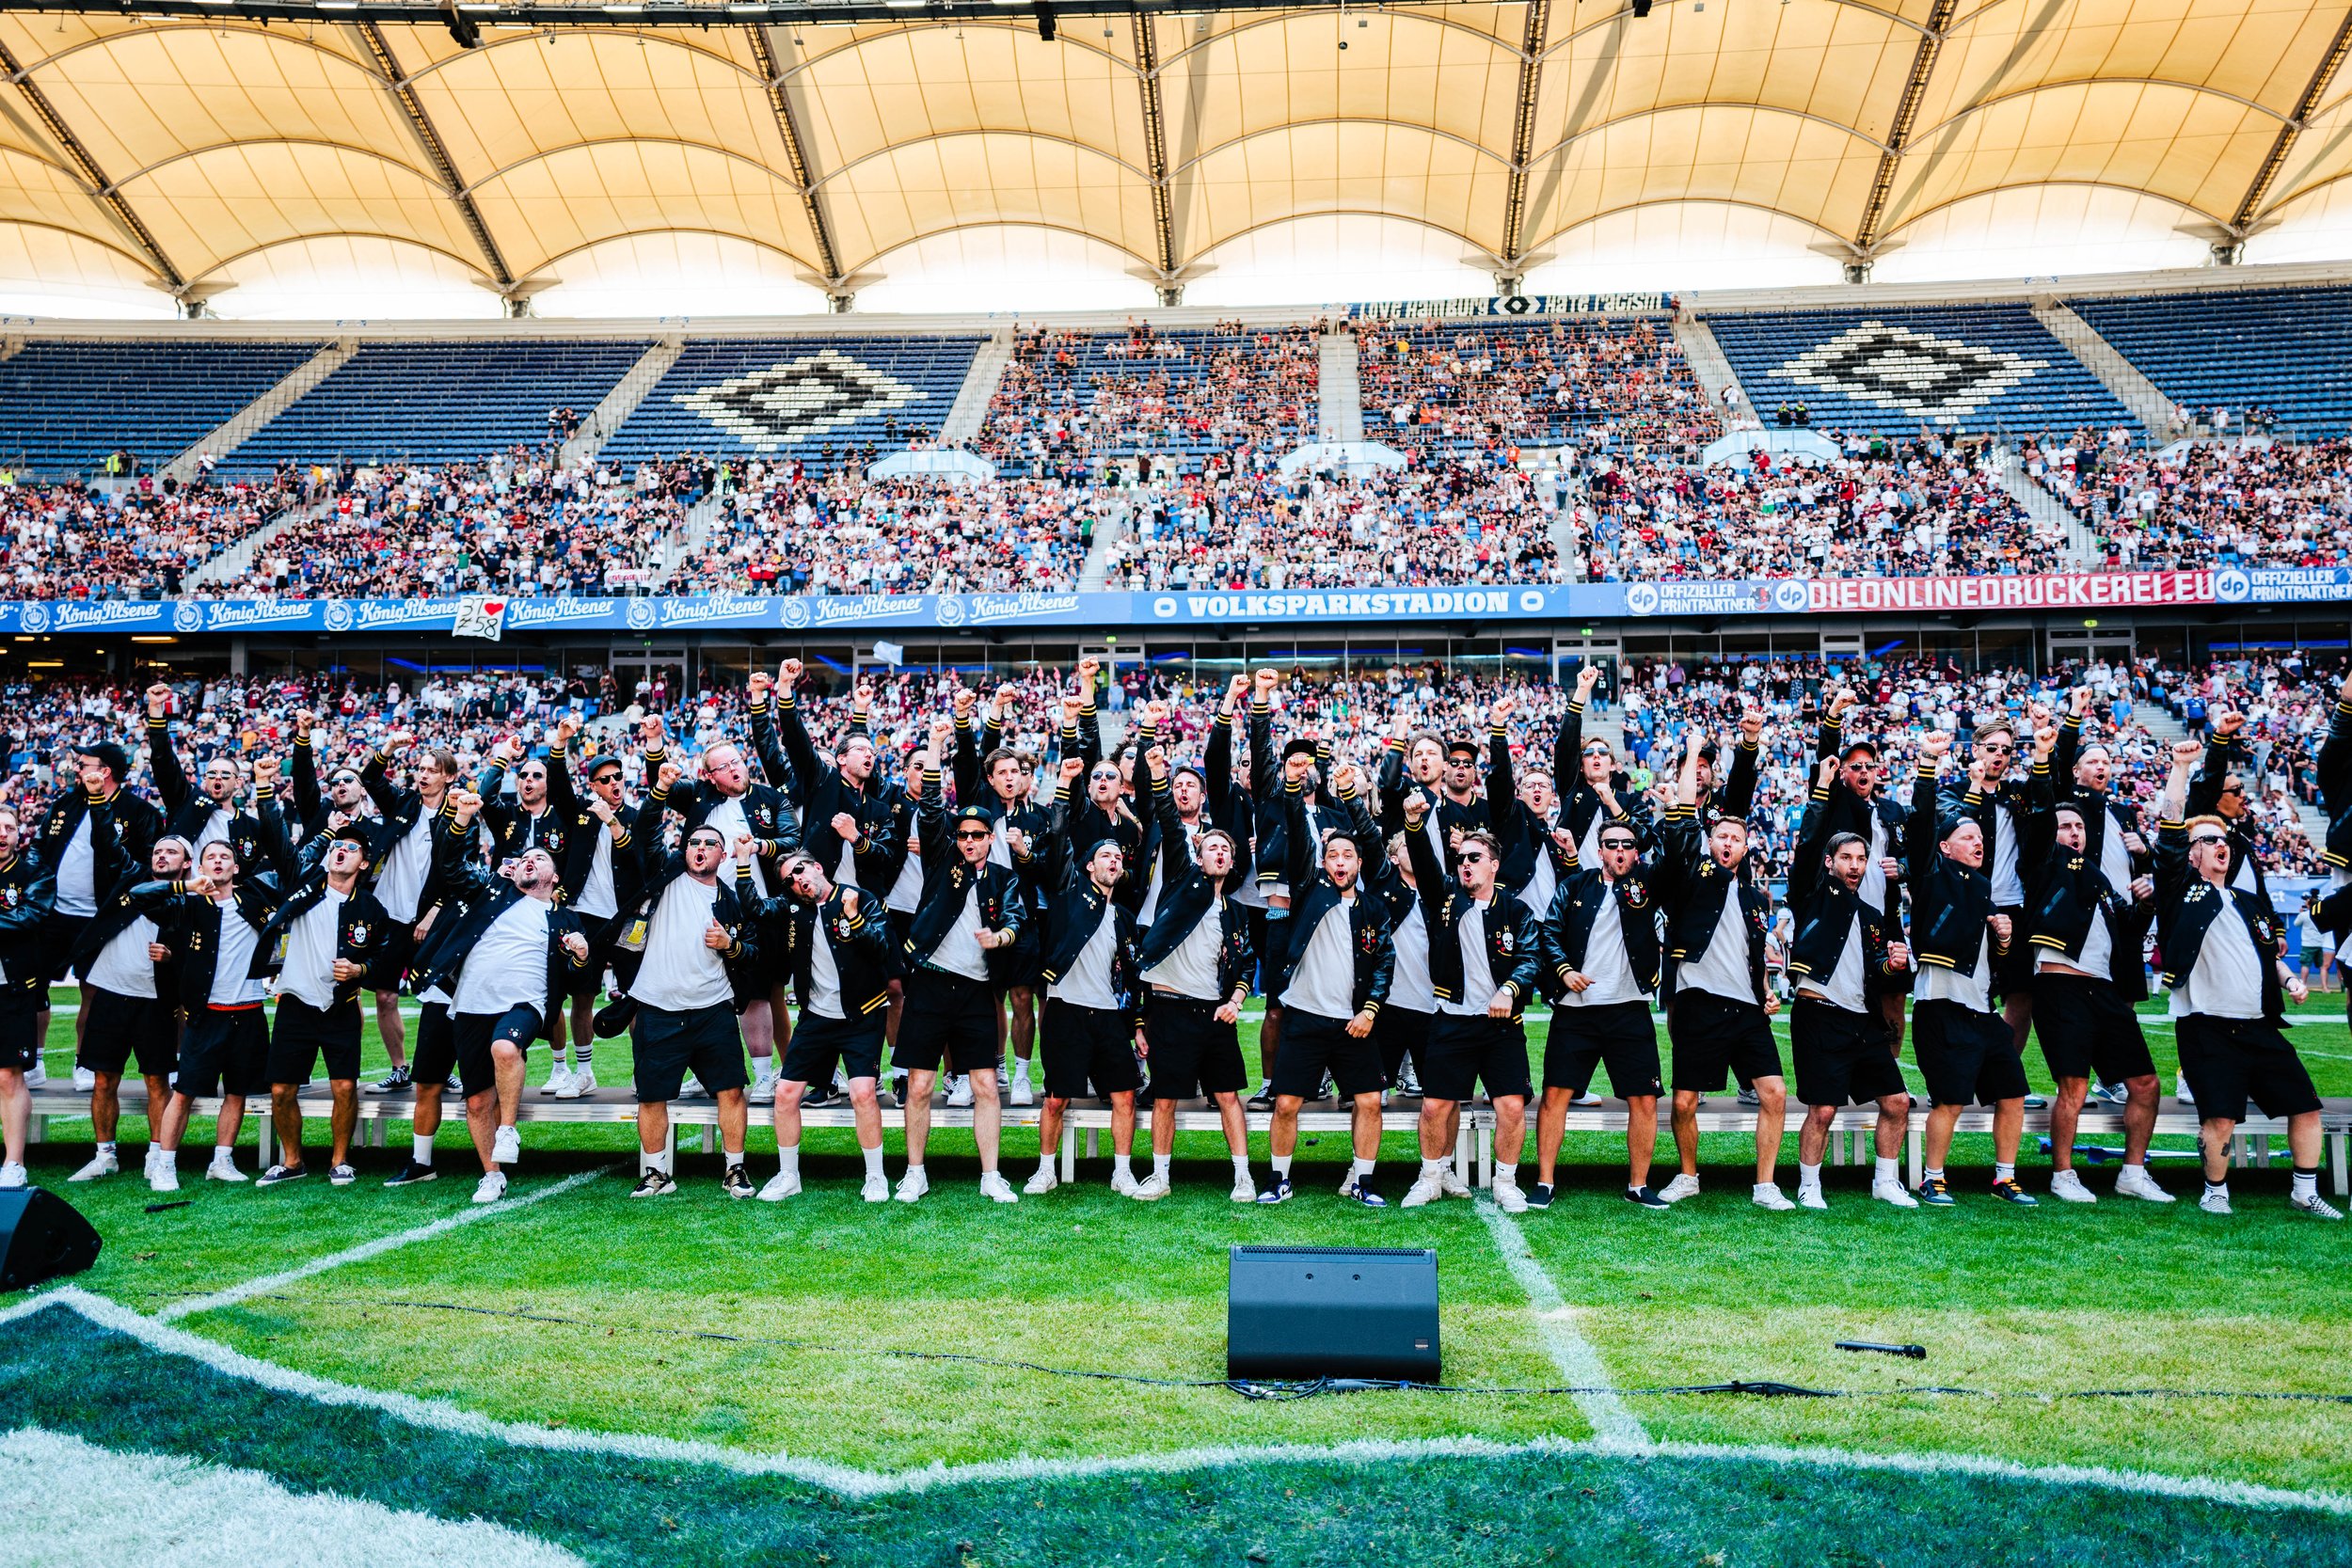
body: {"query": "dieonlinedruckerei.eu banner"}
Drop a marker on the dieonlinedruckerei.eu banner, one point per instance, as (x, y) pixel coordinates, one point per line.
(955, 613)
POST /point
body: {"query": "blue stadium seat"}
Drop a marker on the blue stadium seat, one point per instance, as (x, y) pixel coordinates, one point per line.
(438, 402)
(2286, 350)
(1973, 368)
(64, 407)
(787, 397)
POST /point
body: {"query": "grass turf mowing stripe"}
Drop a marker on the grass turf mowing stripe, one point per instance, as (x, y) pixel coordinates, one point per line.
(625, 1500)
(1614, 1425)
(365, 1250)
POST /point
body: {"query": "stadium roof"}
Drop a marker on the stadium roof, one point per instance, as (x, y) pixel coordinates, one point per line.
(175, 148)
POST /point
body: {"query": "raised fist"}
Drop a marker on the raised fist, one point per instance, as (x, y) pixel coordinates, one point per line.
(1089, 667)
(760, 683)
(1072, 768)
(652, 732)
(1752, 725)
(846, 825)
(1267, 680)
(264, 772)
(965, 697)
(158, 700)
(789, 673)
(2227, 723)
(2186, 753)
(1157, 760)
(1935, 745)
(1238, 687)
(669, 777)
(863, 696)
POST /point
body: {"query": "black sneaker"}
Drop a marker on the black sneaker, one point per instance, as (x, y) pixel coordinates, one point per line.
(1278, 1192)
(1263, 1100)
(1646, 1196)
(1359, 1189)
(278, 1174)
(1539, 1195)
(653, 1183)
(393, 1082)
(1144, 1098)
(735, 1183)
(412, 1173)
(820, 1096)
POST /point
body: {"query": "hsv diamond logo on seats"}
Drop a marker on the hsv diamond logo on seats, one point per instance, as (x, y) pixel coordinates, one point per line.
(798, 400)
(1898, 367)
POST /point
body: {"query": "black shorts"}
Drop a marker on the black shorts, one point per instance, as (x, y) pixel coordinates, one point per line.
(391, 964)
(436, 1055)
(19, 1041)
(1841, 1057)
(1714, 1036)
(707, 1041)
(474, 1034)
(2088, 1030)
(114, 1028)
(304, 1034)
(1192, 1054)
(1399, 1033)
(588, 981)
(2013, 970)
(59, 935)
(1619, 1036)
(1310, 1045)
(2230, 1061)
(1465, 1052)
(226, 1051)
(949, 1018)
(1966, 1057)
(1087, 1045)
(820, 1044)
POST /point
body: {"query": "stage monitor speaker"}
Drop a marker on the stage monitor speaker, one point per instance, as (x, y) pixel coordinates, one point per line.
(41, 1236)
(1295, 1312)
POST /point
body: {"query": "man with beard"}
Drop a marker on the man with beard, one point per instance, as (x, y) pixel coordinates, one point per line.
(318, 946)
(126, 956)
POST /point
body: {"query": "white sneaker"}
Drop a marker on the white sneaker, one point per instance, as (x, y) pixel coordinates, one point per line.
(163, 1176)
(506, 1146)
(960, 1092)
(36, 1076)
(780, 1186)
(1586, 1101)
(1894, 1193)
(763, 1089)
(1021, 1093)
(2316, 1207)
(557, 1077)
(1151, 1188)
(1682, 1186)
(1810, 1197)
(13, 1176)
(2214, 1203)
(1451, 1185)
(2137, 1182)
(1769, 1195)
(877, 1189)
(995, 1188)
(2180, 1090)
(912, 1185)
(1123, 1182)
(1245, 1190)
(2068, 1187)
(490, 1188)
(99, 1164)
(1045, 1181)
(1509, 1198)
(1424, 1190)
(691, 1087)
(83, 1079)
(576, 1083)
(223, 1168)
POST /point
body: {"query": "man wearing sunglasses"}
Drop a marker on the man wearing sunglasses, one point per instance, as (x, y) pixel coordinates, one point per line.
(1599, 966)
(971, 917)
(836, 959)
(543, 815)
(2222, 947)
(2219, 788)
(2004, 808)
(1857, 804)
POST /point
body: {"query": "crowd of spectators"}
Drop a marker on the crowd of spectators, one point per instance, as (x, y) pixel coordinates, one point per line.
(2252, 503)
(141, 540)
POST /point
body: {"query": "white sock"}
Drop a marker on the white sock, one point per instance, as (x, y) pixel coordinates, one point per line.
(1433, 1170)
(421, 1149)
(2306, 1185)
(789, 1158)
(659, 1160)
(1127, 1166)
(1762, 1187)
(1887, 1169)
(1021, 1068)
(107, 1148)
(1282, 1165)
(2217, 1189)
(873, 1161)
(1363, 1168)
(1506, 1175)
(735, 1157)
(1933, 1173)
(225, 1153)
(1808, 1178)
(2004, 1173)
(1241, 1166)
(1160, 1163)
(1045, 1165)
(915, 1167)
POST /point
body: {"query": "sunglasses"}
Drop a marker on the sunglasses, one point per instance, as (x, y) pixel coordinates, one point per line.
(2232, 789)
(972, 834)
(1473, 857)
(1616, 844)
(1598, 752)
(1998, 745)
(341, 778)
(2208, 838)
(1104, 774)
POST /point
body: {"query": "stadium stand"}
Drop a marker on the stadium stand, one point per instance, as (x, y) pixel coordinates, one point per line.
(815, 401)
(139, 541)
(66, 406)
(2269, 503)
(1516, 383)
(438, 401)
(1974, 367)
(2283, 353)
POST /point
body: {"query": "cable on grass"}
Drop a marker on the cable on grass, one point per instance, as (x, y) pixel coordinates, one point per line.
(1275, 1390)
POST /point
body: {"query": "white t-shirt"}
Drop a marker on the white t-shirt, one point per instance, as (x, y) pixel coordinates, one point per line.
(1971, 989)
(679, 973)
(1543, 882)
(1324, 983)
(1190, 968)
(238, 940)
(2008, 888)
(123, 966)
(1088, 982)
(1843, 986)
(824, 975)
(400, 885)
(2115, 860)
(906, 894)
(1409, 985)
(2228, 979)
(308, 972)
(1873, 888)
(2098, 957)
(959, 951)
(216, 828)
(1605, 961)
(1722, 969)
(77, 874)
(508, 966)
(1478, 975)
(599, 899)
(727, 817)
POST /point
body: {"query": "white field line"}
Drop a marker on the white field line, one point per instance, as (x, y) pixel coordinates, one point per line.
(1614, 1426)
(189, 1306)
(848, 1482)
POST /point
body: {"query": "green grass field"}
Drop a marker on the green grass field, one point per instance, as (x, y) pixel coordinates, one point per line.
(802, 1330)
